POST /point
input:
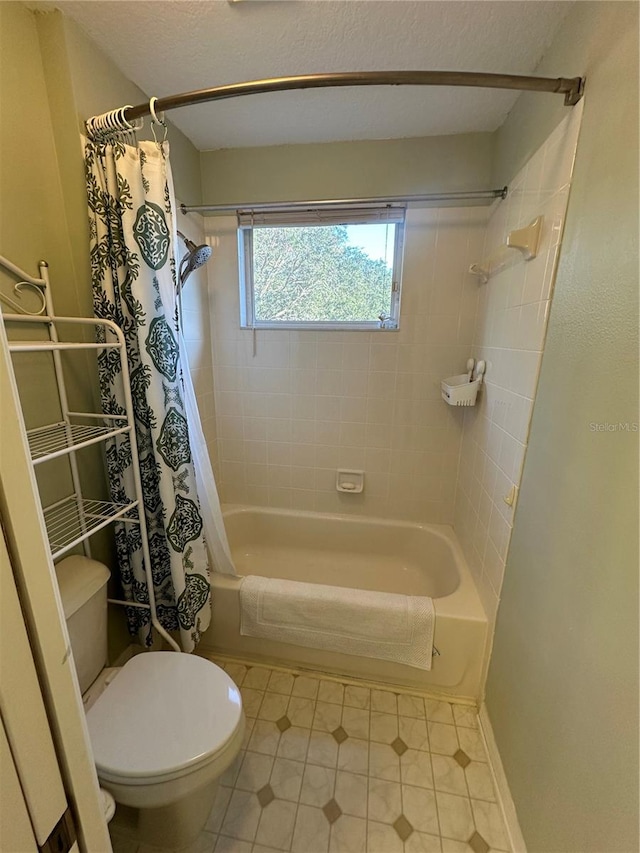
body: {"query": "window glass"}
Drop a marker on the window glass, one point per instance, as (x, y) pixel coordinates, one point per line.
(327, 274)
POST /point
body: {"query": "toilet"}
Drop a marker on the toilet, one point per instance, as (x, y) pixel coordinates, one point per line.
(163, 728)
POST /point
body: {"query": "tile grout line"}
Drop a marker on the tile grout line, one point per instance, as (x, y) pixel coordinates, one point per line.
(466, 784)
(366, 824)
(232, 788)
(304, 765)
(224, 814)
(433, 775)
(306, 753)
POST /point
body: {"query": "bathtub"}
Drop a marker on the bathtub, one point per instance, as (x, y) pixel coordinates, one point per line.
(360, 553)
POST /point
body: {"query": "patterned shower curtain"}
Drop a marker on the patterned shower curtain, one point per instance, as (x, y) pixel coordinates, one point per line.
(132, 250)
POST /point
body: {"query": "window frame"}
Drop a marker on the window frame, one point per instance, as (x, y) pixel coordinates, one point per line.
(249, 221)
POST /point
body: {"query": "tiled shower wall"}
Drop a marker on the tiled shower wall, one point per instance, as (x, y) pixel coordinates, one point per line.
(197, 334)
(302, 403)
(510, 330)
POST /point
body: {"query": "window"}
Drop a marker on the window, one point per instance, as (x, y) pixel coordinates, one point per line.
(320, 268)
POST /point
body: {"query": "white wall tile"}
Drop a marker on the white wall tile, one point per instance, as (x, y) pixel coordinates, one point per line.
(307, 402)
(510, 328)
(197, 333)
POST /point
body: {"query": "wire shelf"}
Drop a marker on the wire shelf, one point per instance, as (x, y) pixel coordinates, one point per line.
(72, 520)
(56, 346)
(57, 439)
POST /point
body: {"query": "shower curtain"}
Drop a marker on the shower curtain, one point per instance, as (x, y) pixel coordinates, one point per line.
(133, 269)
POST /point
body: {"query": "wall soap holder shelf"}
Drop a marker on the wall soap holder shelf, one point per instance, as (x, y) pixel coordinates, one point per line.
(525, 240)
(462, 390)
(350, 481)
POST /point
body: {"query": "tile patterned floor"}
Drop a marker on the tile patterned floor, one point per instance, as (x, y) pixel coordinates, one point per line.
(329, 767)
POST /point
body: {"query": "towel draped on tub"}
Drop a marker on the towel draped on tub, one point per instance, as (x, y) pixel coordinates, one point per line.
(381, 625)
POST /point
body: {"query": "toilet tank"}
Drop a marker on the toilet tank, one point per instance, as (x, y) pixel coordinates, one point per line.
(83, 589)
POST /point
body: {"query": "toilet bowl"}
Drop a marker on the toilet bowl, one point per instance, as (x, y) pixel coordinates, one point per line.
(163, 729)
(163, 732)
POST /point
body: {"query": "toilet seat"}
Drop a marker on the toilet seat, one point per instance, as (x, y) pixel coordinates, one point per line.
(163, 716)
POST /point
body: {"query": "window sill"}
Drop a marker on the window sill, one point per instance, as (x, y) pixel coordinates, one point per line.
(320, 327)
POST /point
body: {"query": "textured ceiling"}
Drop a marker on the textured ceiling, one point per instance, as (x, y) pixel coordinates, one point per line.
(179, 45)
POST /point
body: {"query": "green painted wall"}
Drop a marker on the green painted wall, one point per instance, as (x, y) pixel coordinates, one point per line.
(81, 81)
(99, 86)
(52, 78)
(33, 216)
(562, 692)
(31, 225)
(36, 222)
(347, 169)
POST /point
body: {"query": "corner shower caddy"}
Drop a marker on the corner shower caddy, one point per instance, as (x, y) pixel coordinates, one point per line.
(72, 520)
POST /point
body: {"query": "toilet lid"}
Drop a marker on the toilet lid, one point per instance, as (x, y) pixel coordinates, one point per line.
(163, 712)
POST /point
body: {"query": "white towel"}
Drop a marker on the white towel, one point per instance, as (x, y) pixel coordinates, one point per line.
(379, 625)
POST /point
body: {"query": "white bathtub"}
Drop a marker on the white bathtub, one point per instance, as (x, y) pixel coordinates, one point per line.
(361, 553)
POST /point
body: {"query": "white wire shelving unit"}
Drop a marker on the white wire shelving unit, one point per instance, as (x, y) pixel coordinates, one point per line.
(74, 519)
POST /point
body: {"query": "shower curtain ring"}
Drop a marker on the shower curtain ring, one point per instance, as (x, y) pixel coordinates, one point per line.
(155, 120)
(129, 126)
(154, 115)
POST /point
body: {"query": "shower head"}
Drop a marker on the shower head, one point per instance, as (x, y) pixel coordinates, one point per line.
(196, 257)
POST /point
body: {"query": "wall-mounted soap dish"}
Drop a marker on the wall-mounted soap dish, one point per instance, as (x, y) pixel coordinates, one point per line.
(350, 481)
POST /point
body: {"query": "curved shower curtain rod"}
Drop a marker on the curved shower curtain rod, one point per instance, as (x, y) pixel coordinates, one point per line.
(121, 119)
(570, 87)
